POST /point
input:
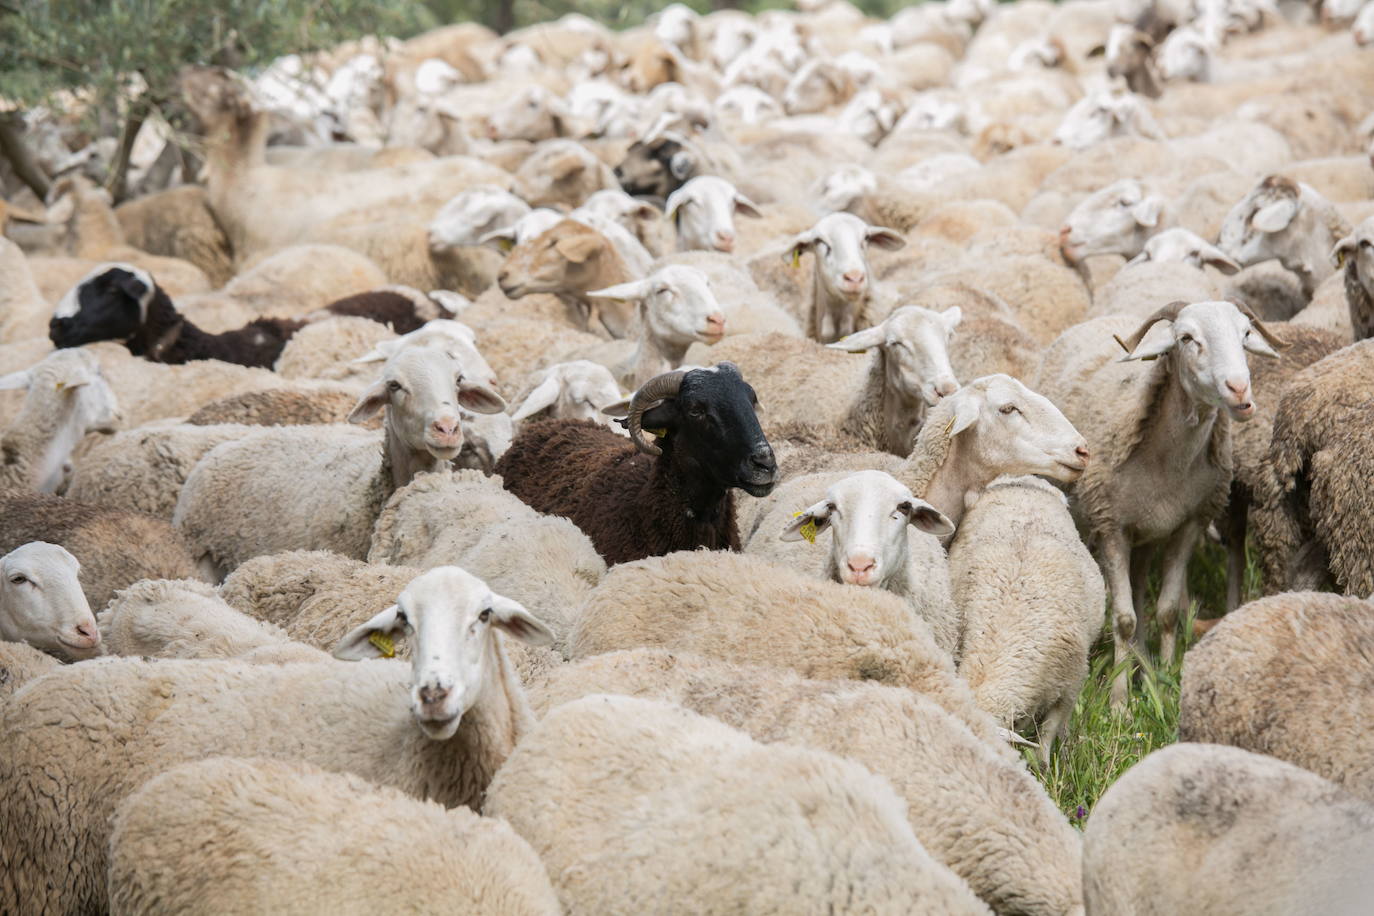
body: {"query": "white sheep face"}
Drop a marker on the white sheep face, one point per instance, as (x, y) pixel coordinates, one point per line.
(467, 218)
(703, 211)
(1209, 340)
(915, 343)
(572, 391)
(1002, 425)
(42, 604)
(676, 305)
(868, 514)
(839, 242)
(450, 616)
(1181, 245)
(1114, 220)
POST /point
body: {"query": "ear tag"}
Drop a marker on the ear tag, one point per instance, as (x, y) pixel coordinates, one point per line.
(808, 530)
(661, 433)
(796, 258)
(505, 244)
(385, 644)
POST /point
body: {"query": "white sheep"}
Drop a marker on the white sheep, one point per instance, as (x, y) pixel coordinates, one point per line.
(1032, 599)
(438, 731)
(737, 825)
(841, 289)
(42, 604)
(231, 834)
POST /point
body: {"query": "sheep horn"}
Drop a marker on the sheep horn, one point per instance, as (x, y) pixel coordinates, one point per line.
(1275, 341)
(655, 389)
(1165, 313)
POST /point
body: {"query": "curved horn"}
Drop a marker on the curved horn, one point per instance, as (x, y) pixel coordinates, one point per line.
(1278, 343)
(655, 389)
(1166, 313)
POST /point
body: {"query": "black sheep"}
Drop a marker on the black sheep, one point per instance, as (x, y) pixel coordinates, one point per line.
(643, 500)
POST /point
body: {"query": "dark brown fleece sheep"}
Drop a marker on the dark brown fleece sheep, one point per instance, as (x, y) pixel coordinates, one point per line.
(115, 548)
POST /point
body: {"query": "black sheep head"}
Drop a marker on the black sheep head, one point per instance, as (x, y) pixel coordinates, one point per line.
(109, 304)
(712, 431)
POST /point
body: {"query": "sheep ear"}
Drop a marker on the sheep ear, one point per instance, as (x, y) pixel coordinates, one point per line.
(372, 400)
(578, 248)
(1276, 216)
(952, 317)
(1214, 256)
(808, 523)
(745, 207)
(886, 239)
(859, 341)
(374, 639)
(966, 413)
(624, 292)
(518, 623)
(478, 398)
(15, 380)
(925, 517)
(1147, 212)
(1344, 249)
(544, 395)
(681, 164)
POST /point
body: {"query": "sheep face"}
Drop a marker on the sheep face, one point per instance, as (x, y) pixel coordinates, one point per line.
(559, 259)
(703, 211)
(676, 305)
(534, 114)
(1259, 226)
(1178, 244)
(571, 391)
(839, 242)
(422, 389)
(915, 345)
(109, 303)
(451, 616)
(471, 215)
(42, 604)
(1209, 340)
(656, 167)
(999, 423)
(869, 513)
(1115, 220)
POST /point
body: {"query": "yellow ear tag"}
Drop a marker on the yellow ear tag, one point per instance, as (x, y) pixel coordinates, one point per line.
(385, 644)
(661, 433)
(505, 244)
(808, 530)
(796, 258)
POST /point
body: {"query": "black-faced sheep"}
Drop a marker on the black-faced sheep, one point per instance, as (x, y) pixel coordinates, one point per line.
(674, 496)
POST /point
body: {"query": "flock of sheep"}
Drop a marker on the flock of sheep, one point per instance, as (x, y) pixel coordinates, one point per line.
(671, 470)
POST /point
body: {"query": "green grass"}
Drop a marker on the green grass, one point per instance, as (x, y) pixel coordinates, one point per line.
(1102, 743)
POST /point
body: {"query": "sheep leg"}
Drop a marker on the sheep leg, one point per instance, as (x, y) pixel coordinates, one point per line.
(1173, 588)
(1236, 516)
(1116, 565)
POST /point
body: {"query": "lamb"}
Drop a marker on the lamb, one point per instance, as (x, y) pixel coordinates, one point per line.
(1355, 254)
(570, 260)
(1311, 519)
(841, 291)
(438, 731)
(66, 398)
(676, 308)
(798, 820)
(247, 497)
(676, 496)
(115, 548)
(19, 664)
(576, 390)
(42, 604)
(703, 213)
(1290, 653)
(1117, 219)
(958, 811)
(198, 839)
(818, 629)
(1288, 220)
(1191, 826)
(1031, 598)
(1166, 430)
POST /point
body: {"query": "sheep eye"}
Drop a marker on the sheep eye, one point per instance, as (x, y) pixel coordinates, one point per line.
(485, 615)
(18, 579)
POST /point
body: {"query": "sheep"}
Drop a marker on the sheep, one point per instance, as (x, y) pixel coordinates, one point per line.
(1031, 598)
(818, 629)
(676, 496)
(42, 604)
(198, 839)
(570, 259)
(841, 289)
(880, 401)
(1166, 430)
(438, 731)
(561, 172)
(676, 308)
(274, 407)
(896, 733)
(1287, 220)
(179, 223)
(1311, 519)
(1117, 219)
(798, 820)
(257, 480)
(115, 548)
(66, 398)
(703, 213)
(1192, 826)
(1355, 255)
(19, 664)
(575, 390)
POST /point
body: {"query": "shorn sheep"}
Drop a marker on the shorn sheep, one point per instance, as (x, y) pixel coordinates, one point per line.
(750, 827)
(645, 499)
(229, 834)
(42, 605)
(963, 795)
(1203, 828)
(1281, 676)
(437, 731)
